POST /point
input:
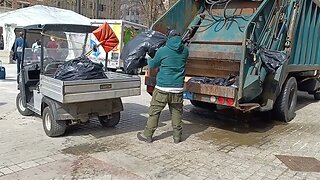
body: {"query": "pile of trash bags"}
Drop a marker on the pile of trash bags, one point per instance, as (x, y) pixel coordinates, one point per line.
(232, 81)
(134, 52)
(81, 68)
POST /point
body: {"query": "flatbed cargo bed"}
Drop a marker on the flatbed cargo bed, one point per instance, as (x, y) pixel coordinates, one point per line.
(117, 85)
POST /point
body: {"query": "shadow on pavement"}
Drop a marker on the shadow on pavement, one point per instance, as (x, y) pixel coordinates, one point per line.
(304, 99)
(133, 119)
(196, 120)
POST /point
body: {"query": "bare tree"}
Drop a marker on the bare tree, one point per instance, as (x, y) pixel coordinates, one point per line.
(150, 10)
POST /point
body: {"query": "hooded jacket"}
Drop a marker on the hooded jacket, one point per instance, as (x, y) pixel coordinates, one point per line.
(171, 61)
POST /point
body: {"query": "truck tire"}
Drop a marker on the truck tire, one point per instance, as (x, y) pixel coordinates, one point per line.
(317, 96)
(52, 127)
(204, 105)
(110, 122)
(112, 70)
(21, 108)
(286, 102)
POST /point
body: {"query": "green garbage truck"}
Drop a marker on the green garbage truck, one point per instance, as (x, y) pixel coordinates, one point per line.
(252, 55)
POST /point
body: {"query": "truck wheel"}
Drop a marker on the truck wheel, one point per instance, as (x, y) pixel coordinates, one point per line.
(112, 70)
(201, 104)
(110, 122)
(51, 126)
(285, 105)
(21, 108)
(317, 96)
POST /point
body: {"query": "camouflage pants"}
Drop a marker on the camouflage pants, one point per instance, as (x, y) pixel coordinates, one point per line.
(159, 100)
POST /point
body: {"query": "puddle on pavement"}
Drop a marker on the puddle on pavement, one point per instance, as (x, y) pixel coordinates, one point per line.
(232, 137)
(243, 135)
(231, 127)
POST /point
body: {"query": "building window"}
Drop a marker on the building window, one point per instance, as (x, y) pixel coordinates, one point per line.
(90, 5)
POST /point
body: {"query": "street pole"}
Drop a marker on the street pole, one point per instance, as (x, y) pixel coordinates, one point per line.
(97, 9)
(78, 2)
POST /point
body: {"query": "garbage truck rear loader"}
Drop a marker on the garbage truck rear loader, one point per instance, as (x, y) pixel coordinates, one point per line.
(269, 49)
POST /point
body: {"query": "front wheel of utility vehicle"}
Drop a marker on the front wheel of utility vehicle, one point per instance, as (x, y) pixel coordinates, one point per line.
(21, 108)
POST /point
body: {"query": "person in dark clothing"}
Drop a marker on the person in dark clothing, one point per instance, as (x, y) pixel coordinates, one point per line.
(171, 60)
(18, 48)
(1, 43)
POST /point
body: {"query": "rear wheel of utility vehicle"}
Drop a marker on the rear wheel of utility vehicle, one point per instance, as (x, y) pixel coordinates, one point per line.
(201, 104)
(52, 127)
(317, 96)
(21, 108)
(107, 121)
(285, 105)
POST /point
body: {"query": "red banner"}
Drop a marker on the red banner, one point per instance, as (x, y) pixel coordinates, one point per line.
(106, 37)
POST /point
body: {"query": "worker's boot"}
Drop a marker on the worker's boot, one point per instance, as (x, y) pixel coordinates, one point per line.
(176, 140)
(142, 137)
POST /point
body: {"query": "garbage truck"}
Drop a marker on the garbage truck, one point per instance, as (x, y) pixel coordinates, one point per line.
(251, 55)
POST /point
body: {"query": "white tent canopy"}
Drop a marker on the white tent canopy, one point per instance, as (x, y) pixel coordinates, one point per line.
(36, 15)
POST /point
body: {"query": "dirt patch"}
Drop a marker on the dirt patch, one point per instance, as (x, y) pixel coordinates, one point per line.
(89, 148)
(86, 167)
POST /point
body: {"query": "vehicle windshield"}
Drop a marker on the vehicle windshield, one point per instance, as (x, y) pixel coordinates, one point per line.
(57, 46)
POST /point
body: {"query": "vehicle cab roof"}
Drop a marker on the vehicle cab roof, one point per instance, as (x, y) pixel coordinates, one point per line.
(61, 27)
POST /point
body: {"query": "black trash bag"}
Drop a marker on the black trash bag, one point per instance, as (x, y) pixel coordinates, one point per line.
(134, 52)
(81, 68)
(232, 80)
(200, 80)
(272, 60)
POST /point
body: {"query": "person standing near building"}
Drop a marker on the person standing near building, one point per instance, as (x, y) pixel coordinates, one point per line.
(18, 48)
(1, 42)
(36, 48)
(171, 61)
(52, 46)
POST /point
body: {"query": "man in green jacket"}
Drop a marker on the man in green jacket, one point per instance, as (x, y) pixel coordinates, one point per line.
(171, 61)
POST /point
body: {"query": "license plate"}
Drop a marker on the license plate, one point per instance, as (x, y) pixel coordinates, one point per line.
(105, 86)
(188, 95)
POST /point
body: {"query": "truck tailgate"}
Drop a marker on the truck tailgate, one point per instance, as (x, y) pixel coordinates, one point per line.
(117, 85)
